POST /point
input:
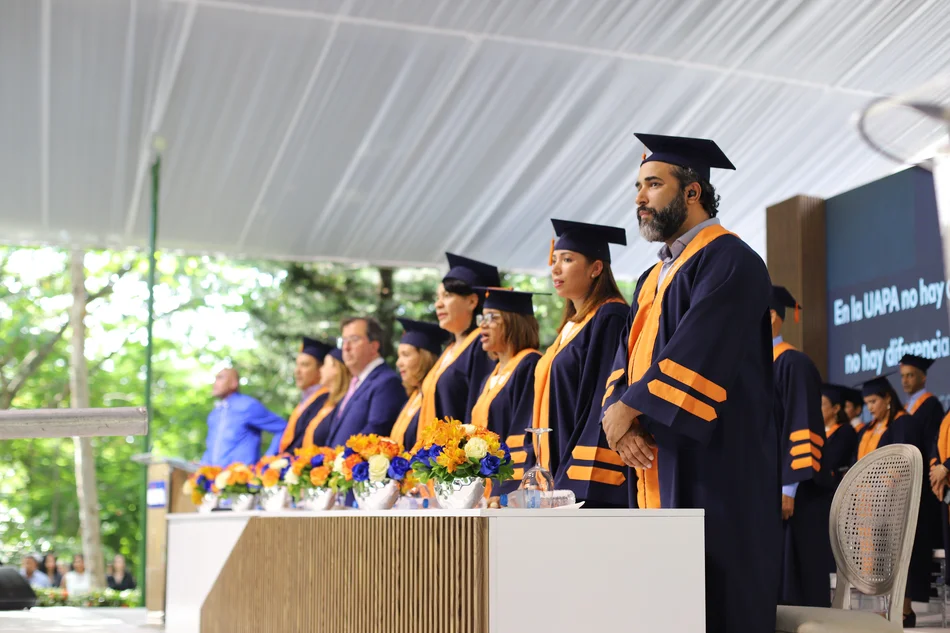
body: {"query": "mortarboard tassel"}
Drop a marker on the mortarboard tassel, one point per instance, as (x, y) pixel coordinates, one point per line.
(644, 157)
(551, 254)
(797, 313)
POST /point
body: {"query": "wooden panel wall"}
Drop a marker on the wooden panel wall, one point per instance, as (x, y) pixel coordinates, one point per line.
(354, 574)
(797, 259)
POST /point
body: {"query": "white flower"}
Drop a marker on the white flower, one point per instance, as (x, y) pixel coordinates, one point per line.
(338, 463)
(378, 467)
(476, 448)
(291, 478)
(469, 429)
(221, 481)
(283, 462)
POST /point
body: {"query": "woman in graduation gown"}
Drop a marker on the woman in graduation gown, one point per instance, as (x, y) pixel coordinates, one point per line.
(336, 377)
(452, 386)
(889, 426)
(505, 405)
(572, 376)
(939, 477)
(841, 441)
(419, 347)
(313, 395)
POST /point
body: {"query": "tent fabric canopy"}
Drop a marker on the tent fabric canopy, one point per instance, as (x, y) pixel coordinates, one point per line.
(391, 132)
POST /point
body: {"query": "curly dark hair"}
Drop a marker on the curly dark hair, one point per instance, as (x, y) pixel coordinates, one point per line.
(707, 196)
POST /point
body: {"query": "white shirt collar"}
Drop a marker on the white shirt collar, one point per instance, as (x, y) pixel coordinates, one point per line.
(373, 364)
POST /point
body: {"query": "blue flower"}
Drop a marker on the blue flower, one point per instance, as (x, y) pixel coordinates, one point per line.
(421, 457)
(202, 482)
(361, 472)
(283, 471)
(316, 461)
(347, 452)
(504, 449)
(253, 488)
(489, 466)
(435, 451)
(398, 468)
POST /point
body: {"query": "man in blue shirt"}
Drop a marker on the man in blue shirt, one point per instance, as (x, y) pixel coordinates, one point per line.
(235, 424)
(30, 571)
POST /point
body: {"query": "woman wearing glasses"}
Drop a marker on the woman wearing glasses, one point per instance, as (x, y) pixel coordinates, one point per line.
(452, 386)
(572, 377)
(509, 335)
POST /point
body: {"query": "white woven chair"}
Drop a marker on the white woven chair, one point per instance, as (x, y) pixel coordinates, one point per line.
(873, 518)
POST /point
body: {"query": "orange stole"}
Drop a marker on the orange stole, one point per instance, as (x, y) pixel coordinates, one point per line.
(542, 382)
(922, 399)
(291, 428)
(322, 414)
(482, 405)
(405, 417)
(781, 348)
(830, 430)
(427, 410)
(642, 343)
(872, 437)
(943, 440)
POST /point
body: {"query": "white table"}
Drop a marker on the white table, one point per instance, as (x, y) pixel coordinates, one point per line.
(547, 570)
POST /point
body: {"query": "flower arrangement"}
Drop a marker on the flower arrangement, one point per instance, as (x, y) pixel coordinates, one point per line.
(370, 459)
(271, 470)
(200, 483)
(311, 468)
(453, 451)
(237, 479)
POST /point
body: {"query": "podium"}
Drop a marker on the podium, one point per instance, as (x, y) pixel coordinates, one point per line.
(166, 476)
(463, 571)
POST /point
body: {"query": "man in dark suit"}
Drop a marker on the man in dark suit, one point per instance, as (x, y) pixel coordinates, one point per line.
(376, 395)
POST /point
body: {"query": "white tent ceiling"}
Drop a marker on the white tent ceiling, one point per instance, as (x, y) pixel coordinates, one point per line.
(390, 131)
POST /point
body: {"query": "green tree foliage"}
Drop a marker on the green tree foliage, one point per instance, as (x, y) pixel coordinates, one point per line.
(210, 312)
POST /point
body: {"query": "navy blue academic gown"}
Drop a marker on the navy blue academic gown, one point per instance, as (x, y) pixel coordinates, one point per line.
(704, 388)
(306, 416)
(836, 457)
(577, 449)
(797, 414)
(373, 407)
(460, 384)
(925, 426)
(510, 412)
(321, 434)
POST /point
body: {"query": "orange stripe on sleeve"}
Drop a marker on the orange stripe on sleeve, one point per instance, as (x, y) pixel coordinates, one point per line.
(689, 377)
(681, 399)
(805, 449)
(816, 439)
(799, 436)
(515, 441)
(607, 394)
(600, 475)
(597, 454)
(804, 462)
(615, 376)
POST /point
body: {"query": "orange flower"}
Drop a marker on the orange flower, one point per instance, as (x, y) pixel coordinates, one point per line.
(389, 448)
(451, 458)
(197, 496)
(319, 476)
(352, 461)
(299, 464)
(270, 477)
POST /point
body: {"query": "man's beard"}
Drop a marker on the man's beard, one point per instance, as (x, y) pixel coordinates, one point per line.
(663, 224)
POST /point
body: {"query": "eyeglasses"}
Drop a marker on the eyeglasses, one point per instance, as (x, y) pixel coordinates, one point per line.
(487, 319)
(352, 340)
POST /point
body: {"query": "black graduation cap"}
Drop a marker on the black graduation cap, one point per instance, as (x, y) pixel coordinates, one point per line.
(852, 395)
(834, 393)
(337, 353)
(424, 335)
(508, 300)
(590, 240)
(781, 298)
(877, 386)
(315, 348)
(472, 272)
(700, 154)
(921, 363)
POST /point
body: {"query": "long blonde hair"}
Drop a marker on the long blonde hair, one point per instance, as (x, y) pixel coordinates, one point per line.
(339, 385)
(414, 380)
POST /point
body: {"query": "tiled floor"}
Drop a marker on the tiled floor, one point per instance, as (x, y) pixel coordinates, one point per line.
(74, 620)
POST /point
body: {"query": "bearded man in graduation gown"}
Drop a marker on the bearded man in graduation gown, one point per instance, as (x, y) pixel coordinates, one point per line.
(313, 395)
(376, 395)
(689, 403)
(797, 415)
(236, 423)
